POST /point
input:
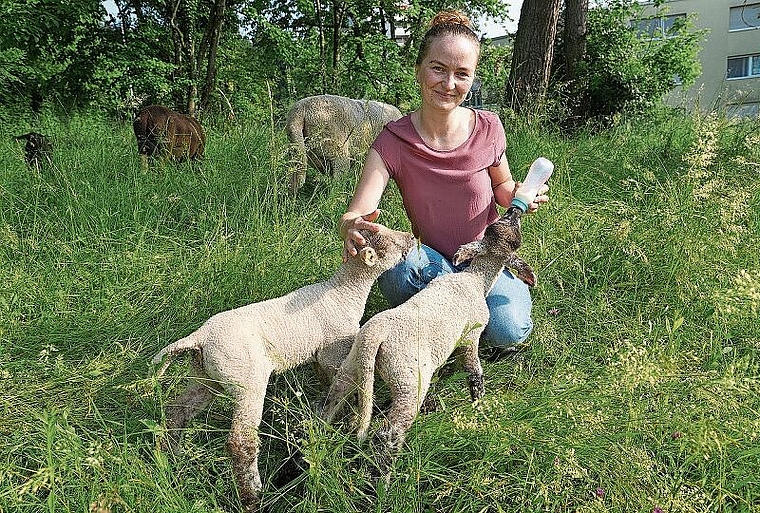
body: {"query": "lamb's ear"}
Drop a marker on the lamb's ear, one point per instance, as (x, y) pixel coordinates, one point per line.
(467, 252)
(368, 256)
(524, 271)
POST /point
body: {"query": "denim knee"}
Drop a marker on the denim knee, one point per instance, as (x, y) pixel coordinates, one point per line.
(412, 274)
(503, 331)
(509, 305)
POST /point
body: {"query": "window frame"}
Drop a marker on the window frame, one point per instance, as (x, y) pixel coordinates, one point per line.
(658, 26)
(752, 6)
(749, 66)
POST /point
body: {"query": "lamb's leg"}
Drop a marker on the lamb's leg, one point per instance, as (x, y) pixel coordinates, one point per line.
(296, 155)
(197, 396)
(244, 445)
(297, 179)
(404, 409)
(329, 359)
(471, 365)
(341, 163)
(343, 384)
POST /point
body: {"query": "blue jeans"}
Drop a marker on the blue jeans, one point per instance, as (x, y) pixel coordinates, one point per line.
(509, 301)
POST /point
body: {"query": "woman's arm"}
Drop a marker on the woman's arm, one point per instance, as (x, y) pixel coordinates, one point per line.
(502, 182)
(504, 186)
(363, 207)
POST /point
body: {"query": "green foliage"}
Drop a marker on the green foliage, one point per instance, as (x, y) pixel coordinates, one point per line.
(270, 54)
(493, 71)
(638, 389)
(625, 70)
(51, 46)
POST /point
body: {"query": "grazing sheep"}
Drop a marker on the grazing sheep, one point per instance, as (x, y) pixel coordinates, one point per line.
(38, 150)
(328, 130)
(237, 350)
(161, 132)
(406, 344)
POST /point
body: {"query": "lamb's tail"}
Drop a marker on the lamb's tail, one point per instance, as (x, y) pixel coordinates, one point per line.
(164, 356)
(368, 343)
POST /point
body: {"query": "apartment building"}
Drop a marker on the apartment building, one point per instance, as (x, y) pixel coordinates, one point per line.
(730, 56)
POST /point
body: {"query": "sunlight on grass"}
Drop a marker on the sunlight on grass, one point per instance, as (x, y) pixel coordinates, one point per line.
(639, 389)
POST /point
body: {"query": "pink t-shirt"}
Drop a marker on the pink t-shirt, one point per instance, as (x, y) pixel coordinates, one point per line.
(447, 194)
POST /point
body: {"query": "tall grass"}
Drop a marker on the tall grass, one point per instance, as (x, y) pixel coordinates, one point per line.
(639, 390)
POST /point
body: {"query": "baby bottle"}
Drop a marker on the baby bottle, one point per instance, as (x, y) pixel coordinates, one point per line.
(538, 174)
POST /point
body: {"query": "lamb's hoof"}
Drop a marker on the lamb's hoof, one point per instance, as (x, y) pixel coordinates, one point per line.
(477, 386)
(431, 404)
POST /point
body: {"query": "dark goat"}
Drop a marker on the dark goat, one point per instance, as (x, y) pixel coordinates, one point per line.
(163, 132)
(38, 149)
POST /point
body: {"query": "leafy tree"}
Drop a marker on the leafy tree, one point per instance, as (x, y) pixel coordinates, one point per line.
(532, 56)
(625, 70)
(48, 49)
(574, 33)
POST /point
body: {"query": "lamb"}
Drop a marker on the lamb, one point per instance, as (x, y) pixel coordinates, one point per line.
(237, 350)
(38, 150)
(406, 344)
(327, 131)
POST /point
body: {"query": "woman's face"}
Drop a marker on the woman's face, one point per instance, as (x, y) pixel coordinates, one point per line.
(447, 71)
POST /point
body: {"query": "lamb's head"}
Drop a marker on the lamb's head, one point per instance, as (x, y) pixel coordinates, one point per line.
(384, 248)
(501, 240)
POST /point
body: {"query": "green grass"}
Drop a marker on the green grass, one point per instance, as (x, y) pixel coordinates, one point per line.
(640, 388)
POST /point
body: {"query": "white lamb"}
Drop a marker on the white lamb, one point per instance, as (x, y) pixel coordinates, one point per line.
(237, 350)
(406, 344)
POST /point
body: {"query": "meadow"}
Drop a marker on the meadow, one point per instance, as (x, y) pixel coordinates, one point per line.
(638, 390)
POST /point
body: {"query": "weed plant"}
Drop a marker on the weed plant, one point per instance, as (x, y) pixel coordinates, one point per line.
(639, 390)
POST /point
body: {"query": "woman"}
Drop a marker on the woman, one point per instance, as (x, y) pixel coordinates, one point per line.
(450, 166)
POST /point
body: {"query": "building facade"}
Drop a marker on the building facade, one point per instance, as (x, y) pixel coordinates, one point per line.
(730, 55)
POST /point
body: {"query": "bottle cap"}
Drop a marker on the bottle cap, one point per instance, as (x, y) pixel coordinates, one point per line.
(516, 202)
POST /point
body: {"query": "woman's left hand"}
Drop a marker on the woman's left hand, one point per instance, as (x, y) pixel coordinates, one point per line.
(541, 197)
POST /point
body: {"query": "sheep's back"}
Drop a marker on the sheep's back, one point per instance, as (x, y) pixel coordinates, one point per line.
(290, 329)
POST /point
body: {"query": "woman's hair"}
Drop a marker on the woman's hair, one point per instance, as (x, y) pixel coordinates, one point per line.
(447, 23)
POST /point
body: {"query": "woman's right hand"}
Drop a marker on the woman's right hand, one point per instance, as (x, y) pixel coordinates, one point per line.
(350, 224)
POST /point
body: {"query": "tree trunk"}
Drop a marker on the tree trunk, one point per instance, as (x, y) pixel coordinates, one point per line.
(576, 14)
(533, 51)
(321, 39)
(338, 13)
(215, 31)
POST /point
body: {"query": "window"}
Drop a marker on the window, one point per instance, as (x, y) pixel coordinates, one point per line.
(742, 67)
(660, 27)
(744, 17)
(743, 110)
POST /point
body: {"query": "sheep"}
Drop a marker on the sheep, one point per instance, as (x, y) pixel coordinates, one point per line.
(237, 350)
(327, 131)
(161, 132)
(38, 150)
(405, 345)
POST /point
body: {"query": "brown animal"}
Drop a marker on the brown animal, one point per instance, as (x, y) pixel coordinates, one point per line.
(38, 150)
(162, 132)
